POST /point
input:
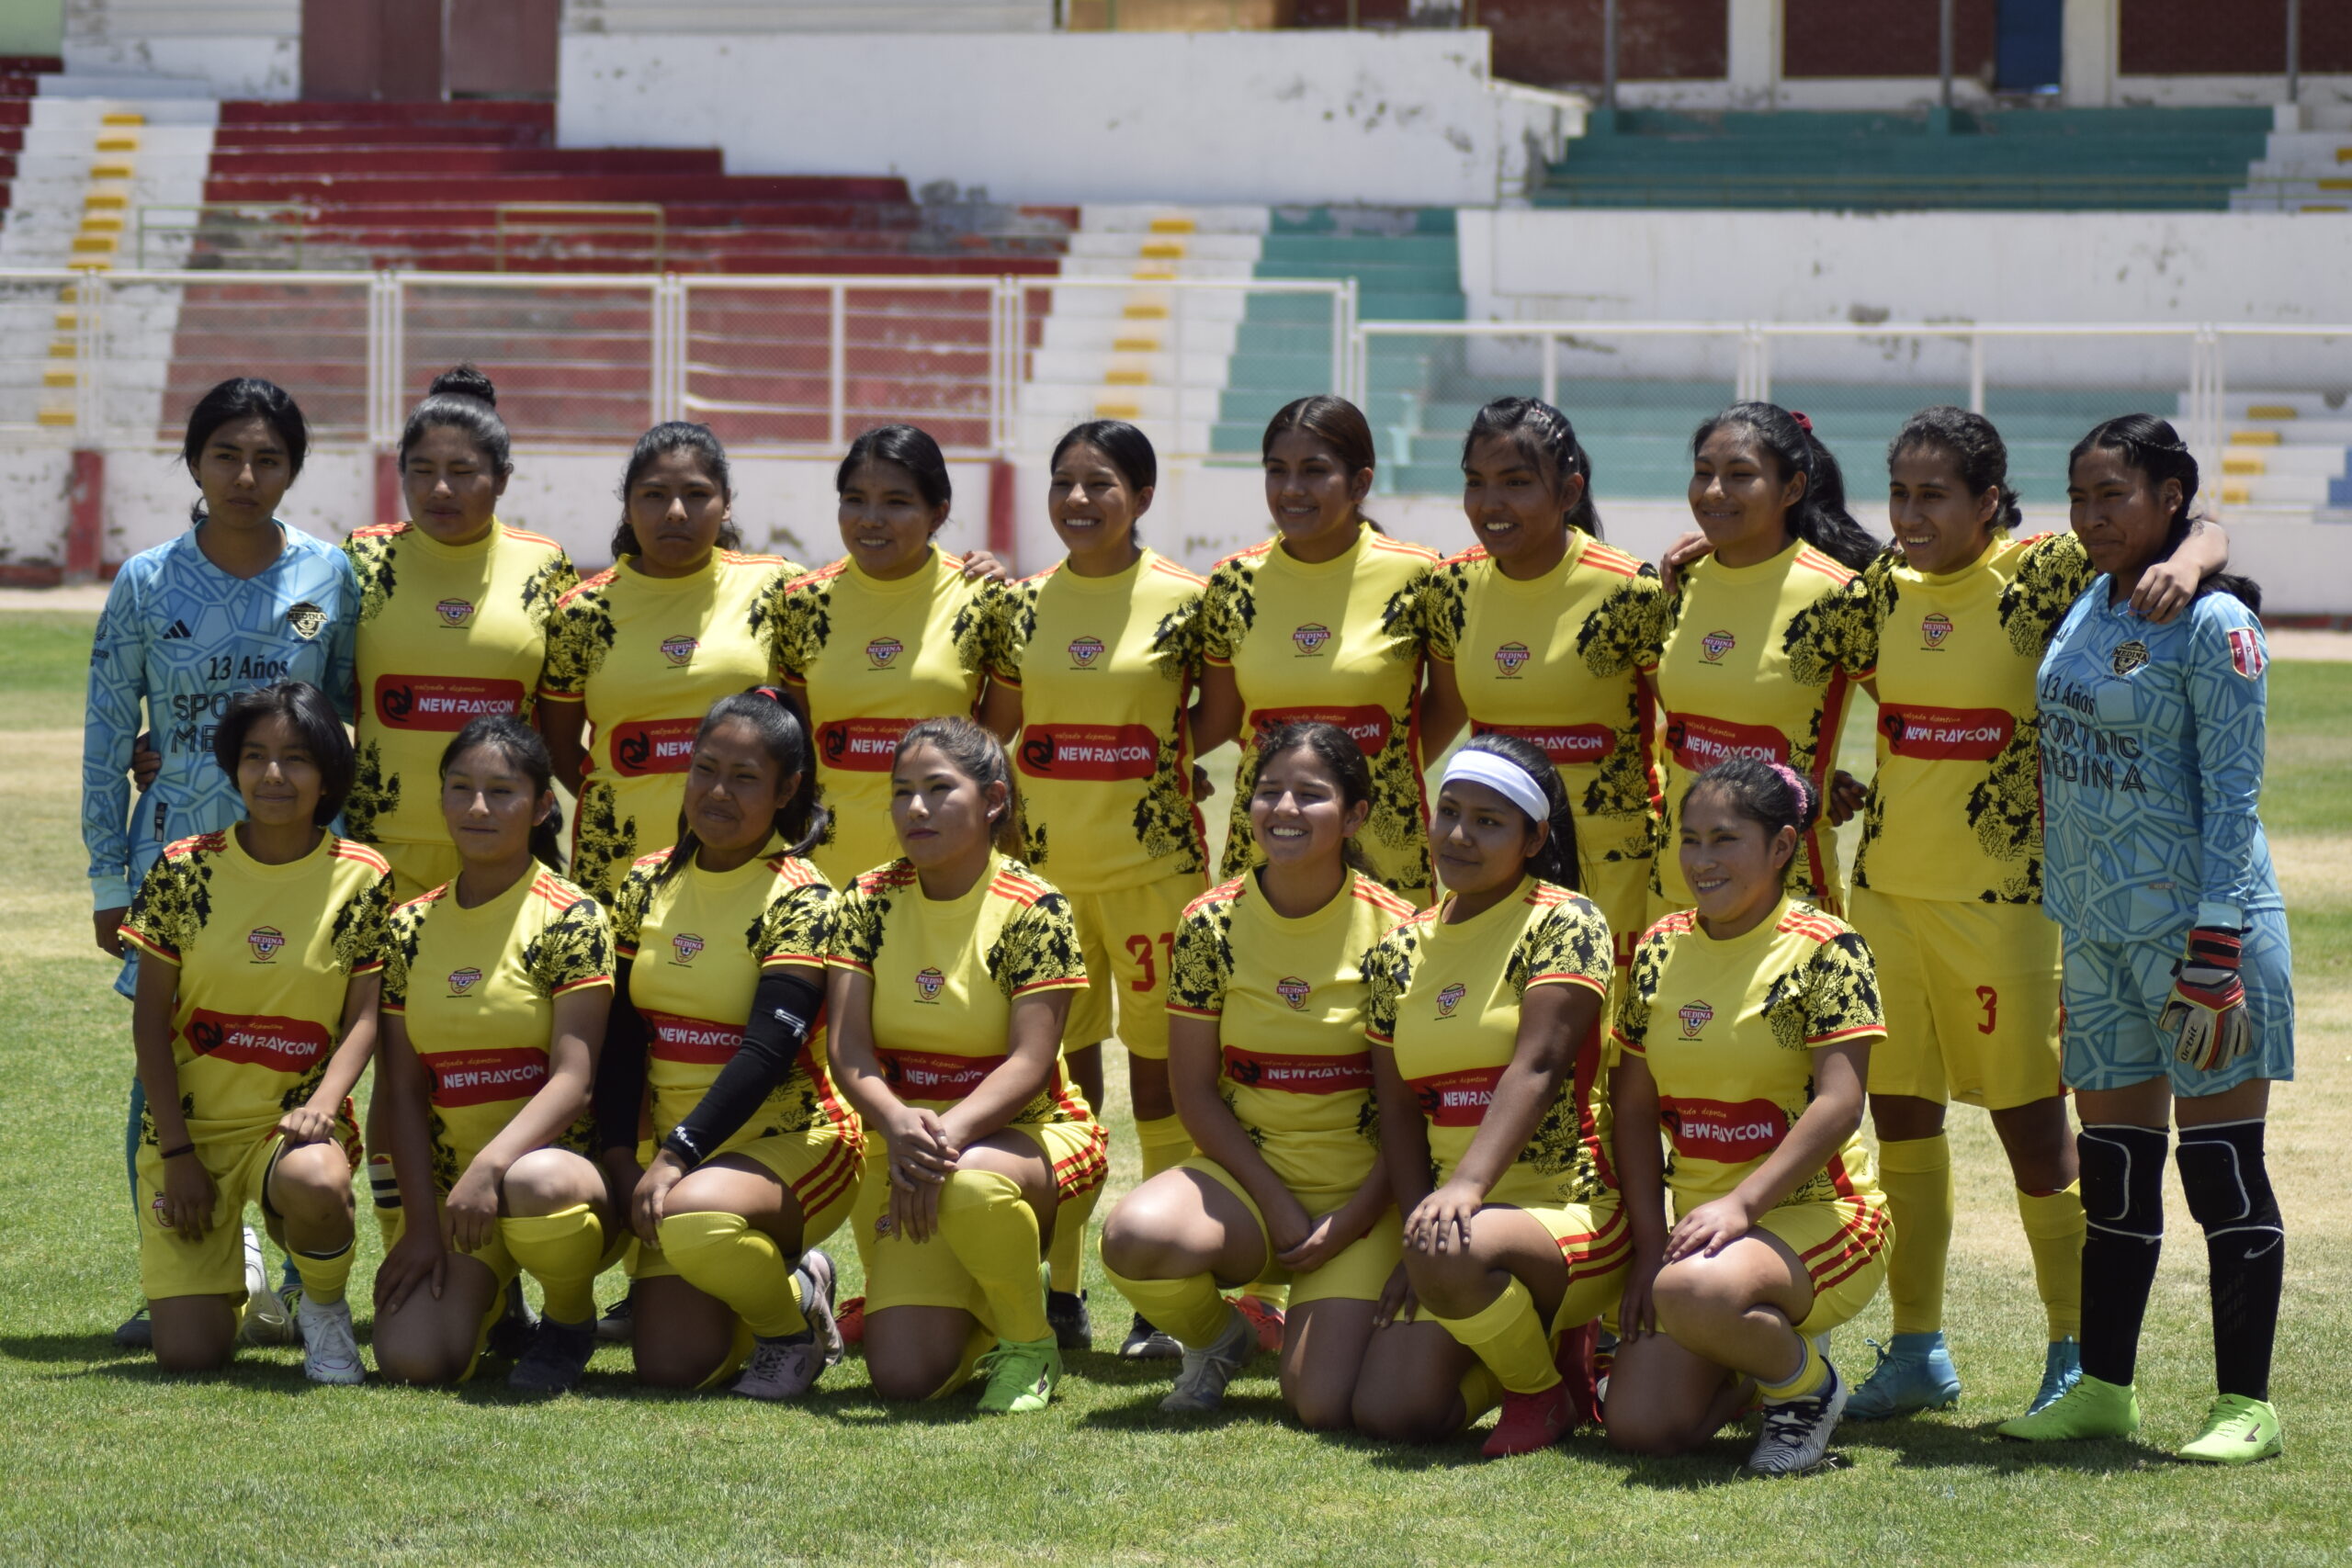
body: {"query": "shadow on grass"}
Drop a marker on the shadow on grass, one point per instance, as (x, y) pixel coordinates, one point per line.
(94, 1346)
(1938, 1446)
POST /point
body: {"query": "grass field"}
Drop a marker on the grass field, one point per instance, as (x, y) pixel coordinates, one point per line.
(106, 1461)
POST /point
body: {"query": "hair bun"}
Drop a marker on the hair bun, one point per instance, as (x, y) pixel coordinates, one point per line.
(465, 381)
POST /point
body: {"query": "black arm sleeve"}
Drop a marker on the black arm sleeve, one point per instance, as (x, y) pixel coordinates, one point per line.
(783, 1010)
(618, 1097)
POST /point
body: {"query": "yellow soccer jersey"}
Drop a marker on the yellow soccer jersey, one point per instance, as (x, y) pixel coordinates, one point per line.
(874, 658)
(1289, 999)
(1750, 662)
(446, 633)
(1105, 666)
(696, 944)
(649, 655)
(946, 973)
(1955, 809)
(1728, 1029)
(1446, 999)
(477, 988)
(1339, 642)
(265, 953)
(1556, 662)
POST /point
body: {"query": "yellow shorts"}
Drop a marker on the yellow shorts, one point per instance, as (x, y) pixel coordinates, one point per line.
(171, 1265)
(1844, 1246)
(1361, 1270)
(821, 1170)
(1596, 1244)
(1621, 888)
(500, 1263)
(1128, 938)
(900, 1272)
(1972, 998)
(418, 869)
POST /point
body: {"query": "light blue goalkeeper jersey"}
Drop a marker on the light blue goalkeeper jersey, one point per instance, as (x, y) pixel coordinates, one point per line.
(186, 636)
(2152, 743)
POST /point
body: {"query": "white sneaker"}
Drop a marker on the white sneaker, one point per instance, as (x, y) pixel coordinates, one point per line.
(266, 1320)
(782, 1368)
(1200, 1381)
(330, 1347)
(1796, 1431)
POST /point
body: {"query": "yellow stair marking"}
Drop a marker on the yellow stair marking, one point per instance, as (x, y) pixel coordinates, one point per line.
(2318, 206)
(2237, 495)
(1116, 377)
(1174, 250)
(105, 201)
(1135, 345)
(1144, 310)
(2270, 410)
(1155, 275)
(102, 223)
(57, 377)
(1186, 226)
(2335, 185)
(1118, 411)
(2344, 154)
(85, 245)
(67, 320)
(110, 171)
(123, 116)
(2249, 465)
(118, 141)
(2253, 438)
(55, 416)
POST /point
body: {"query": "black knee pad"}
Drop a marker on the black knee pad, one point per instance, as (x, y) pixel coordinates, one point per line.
(2123, 1179)
(2224, 1175)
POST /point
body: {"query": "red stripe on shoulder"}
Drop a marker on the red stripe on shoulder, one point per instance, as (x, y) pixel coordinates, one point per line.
(352, 850)
(1223, 893)
(1387, 545)
(1683, 922)
(1165, 567)
(381, 531)
(196, 844)
(524, 536)
(1256, 551)
(1609, 558)
(745, 557)
(658, 858)
(430, 896)
(1373, 892)
(1813, 560)
(795, 871)
(589, 585)
(886, 878)
(822, 574)
(1470, 556)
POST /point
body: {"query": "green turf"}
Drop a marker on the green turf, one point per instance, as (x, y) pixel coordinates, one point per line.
(108, 1462)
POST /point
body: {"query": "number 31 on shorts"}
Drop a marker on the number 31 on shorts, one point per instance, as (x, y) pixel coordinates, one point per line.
(1139, 949)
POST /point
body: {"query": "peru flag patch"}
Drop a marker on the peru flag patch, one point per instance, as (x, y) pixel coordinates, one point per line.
(2246, 656)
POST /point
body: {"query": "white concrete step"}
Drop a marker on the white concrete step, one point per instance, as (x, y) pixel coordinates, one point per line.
(1176, 249)
(1113, 334)
(1125, 269)
(1136, 217)
(2276, 462)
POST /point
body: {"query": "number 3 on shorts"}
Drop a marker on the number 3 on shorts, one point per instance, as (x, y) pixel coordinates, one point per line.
(1992, 1001)
(1139, 949)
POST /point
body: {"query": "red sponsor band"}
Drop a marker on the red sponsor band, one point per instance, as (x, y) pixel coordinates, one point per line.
(1367, 725)
(695, 1040)
(926, 1075)
(1566, 744)
(1936, 735)
(1726, 1133)
(1456, 1099)
(486, 1077)
(442, 703)
(1096, 753)
(663, 746)
(281, 1045)
(1299, 1074)
(861, 745)
(1698, 742)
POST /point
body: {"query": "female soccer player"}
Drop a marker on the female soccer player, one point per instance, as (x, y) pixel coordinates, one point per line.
(1539, 631)
(1745, 1033)
(1746, 659)
(2179, 989)
(758, 1156)
(1267, 1063)
(1947, 882)
(894, 631)
(1096, 661)
(495, 1007)
(642, 649)
(1486, 1045)
(952, 970)
(241, 600)
(256, 1014)
(1327, 622)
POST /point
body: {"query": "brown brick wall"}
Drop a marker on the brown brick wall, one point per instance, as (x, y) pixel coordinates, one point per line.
(2200, 37)
(1884, 37)
(1556, 42)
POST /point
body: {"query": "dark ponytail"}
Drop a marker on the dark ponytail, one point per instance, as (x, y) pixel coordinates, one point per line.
(1555, 861)
(775, 718)
(1338, 752)
(1128, 449)
(1975, 448)
(2152, 447)
(1772, 793)
(462, 400)
(524, 750)
(1544, 434)
(676, 435)
(244, 397)
(1819, 517)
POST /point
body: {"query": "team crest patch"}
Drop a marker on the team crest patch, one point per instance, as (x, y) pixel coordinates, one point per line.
(686, 944)
(455, 612)
(306, 618)
(928, 984)
(679, 649)
(2245, 652)
(264, 941)
(1311, 637)
(463, 980)
(1510, 657)
(2132, 655)
(1085, 650)
(1294, 991)
(1934, 629)
(1714, 645)
(882, 650)
(1450, 999)
(1694, 1017)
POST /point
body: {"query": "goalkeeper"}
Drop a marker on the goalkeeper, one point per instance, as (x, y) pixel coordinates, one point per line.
(2179, 1007)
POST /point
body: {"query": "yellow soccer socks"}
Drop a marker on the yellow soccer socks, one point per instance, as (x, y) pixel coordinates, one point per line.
(563, 1251)
(993, 1234)
(1916, 1175)
(1811, 1374)
(2054, 1229)
(323, 1273)
(1509, 1335)
(1189, 1310)
(1068, 1253)
(724, 1256)
(1165, 1144)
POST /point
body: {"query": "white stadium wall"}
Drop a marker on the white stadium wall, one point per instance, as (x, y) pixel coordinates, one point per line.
(235, 49)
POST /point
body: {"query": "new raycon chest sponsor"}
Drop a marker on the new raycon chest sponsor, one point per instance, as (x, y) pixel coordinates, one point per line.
(1966, 735)
(486, 1077)
(284, 1044)
(696, 1040)
(861, 745)
(928, 1075)
(1718, 1130)
(1457, 1099)
(1699, 742)
(1299, 1074)
(442, 702)
(1564, 743)
(661, 745)
(1366, 723)
(1091, 752)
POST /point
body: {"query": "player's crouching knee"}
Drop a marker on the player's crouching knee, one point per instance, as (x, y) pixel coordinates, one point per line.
(312, 1185)
(1130, 1247)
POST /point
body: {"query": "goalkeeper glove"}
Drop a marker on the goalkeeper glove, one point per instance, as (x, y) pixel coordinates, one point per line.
(2206, 1013)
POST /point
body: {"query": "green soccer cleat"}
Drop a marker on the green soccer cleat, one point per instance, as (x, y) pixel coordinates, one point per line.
(2092, 1408)
(2062, 1367)
(1913, 1373)
(2238, 1430)
(1022, 1374)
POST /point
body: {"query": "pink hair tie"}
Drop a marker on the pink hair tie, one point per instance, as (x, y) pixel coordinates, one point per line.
(1803, 423)
(1795, 780)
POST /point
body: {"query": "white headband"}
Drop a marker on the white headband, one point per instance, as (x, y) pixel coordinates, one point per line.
(1503, 777)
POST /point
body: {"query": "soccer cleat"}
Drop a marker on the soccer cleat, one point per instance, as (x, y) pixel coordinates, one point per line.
(1576, 1354)
(1913, 1373)
(1266, 1319)
(816, 1273)
(558, 1355)
(849, 1320)
(1074, 1325)
(1200, 1380)
(616, 1326)
(1796, 1431)
(1021, 1376)
(1531, 1421)
(1144, 1343)
(2238, 1430)
(2092, 1408)
(330, 1347)
(783, 1368)
(137, 1333)
(510, 1337)
(266, 1320)
(2061, 1367)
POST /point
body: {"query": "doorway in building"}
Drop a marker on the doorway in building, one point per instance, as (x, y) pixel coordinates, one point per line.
(411, 50)
(2029, 48)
